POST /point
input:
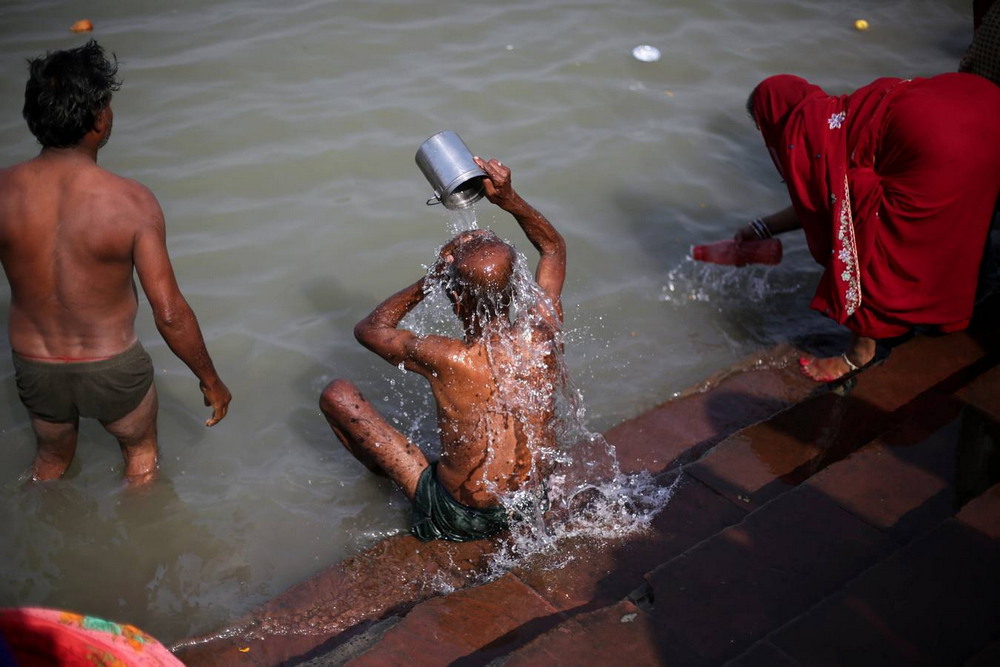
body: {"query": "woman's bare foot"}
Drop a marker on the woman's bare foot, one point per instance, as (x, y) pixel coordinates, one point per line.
(828, 369)
(825, 369)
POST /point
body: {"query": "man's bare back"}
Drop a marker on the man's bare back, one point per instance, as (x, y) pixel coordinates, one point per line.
(71, 236)
(67, 230)
(494, 388)
(495, 408)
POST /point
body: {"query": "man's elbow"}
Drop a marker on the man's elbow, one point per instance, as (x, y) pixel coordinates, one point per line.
(364, 333)
(174, 317)
(560, 243)
(555, 247)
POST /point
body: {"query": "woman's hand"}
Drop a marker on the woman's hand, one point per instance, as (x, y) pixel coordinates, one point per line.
(745, 233)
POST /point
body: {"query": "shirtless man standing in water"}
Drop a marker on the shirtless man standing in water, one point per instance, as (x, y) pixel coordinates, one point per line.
(495, 388)
(71, 234)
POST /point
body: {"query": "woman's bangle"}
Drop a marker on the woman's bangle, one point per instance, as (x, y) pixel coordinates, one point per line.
(760, 228)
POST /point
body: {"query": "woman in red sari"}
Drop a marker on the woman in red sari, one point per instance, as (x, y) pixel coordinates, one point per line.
(894, 186)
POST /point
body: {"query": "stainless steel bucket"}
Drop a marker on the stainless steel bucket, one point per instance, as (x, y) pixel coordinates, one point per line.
(447, 164)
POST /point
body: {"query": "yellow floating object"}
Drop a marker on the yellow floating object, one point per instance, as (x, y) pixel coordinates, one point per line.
(861, 24)
(83, 25)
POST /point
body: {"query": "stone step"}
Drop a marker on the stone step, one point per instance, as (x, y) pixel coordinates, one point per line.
(340, 603)
(716, 599)
(488, 621)
(794, 551)
(769, 458)
(621, 633)
(934, 602)
(495, 619)
(683, 428)
(766, 440)
(589, 575)
(834, 526)
(769, 591)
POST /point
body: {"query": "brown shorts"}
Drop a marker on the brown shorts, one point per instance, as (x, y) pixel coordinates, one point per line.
(106, 390)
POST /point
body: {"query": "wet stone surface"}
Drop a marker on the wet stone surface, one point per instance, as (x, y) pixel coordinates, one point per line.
(808, 528)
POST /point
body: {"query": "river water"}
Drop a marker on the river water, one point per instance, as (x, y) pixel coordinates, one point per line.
(279, 139)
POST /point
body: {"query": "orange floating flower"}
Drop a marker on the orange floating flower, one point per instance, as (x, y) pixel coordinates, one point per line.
(83, 25)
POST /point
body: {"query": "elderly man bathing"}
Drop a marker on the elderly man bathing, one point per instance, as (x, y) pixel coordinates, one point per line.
(494, 387)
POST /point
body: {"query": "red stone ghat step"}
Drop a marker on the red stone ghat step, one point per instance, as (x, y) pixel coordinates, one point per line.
(766, 574)
(340, 600)
(496, 618)
(346, 598)
(682, 429)
(714, 600)
(780, 561)
(933, 601)
(739, 474)
(717, 598)
(707, 604)
(758, 463)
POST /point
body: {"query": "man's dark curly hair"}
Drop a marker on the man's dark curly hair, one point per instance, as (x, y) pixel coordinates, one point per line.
(66, 90)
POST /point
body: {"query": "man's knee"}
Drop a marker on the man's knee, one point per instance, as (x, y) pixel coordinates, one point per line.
(50, 464)
(338, 397)
(56, 448)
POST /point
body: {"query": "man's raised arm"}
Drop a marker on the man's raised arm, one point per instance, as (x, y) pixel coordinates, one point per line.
(551, 272)
(378, 330)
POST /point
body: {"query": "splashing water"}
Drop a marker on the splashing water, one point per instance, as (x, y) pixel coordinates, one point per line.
(575, 487)
(702, 282)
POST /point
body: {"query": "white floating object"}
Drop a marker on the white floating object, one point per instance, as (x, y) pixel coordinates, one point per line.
(646, 53)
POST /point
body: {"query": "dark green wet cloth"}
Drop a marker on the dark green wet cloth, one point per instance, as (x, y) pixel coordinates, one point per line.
(62, 392)
(438, 516)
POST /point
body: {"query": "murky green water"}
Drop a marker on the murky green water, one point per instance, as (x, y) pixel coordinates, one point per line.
(279, 138)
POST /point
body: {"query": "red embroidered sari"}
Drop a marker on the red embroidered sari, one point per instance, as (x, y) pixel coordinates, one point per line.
(895, 186)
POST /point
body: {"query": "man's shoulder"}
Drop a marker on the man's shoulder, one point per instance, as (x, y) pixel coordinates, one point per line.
(10, 173)
(81, 176)
(6, 175)
(123, 195)
(114, 181)
(436, 343)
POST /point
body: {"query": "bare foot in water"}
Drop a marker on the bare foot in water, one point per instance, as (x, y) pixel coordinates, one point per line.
(828, 369)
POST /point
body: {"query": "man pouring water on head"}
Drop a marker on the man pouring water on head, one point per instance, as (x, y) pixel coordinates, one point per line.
(494, 387)
(71, 235)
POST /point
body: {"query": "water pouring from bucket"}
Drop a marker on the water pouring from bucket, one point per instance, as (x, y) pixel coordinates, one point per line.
(448, 165)
(577, 488)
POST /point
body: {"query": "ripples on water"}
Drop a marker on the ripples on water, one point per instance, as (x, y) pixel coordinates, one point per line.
(279, 138)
